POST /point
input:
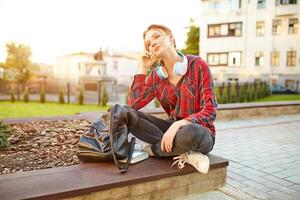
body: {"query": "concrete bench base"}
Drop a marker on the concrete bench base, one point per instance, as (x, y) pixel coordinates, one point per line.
(177, 187)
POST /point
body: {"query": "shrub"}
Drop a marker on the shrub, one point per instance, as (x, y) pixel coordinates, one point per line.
(250, 92)
(259, 90)
(104, 98)
(12, 95)
(5, 132)
(42, 95)
(225, 97)
(266, 89)
(243, 93)
(233, 93)
(26, 95)
(80, 96)
(218, 94)
(61, 96)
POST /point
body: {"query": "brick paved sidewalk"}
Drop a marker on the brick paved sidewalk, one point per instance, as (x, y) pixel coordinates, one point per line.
(264, 158)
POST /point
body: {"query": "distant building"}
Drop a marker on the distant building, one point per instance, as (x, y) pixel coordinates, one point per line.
(248, 40)
(121, 66)
(93, 71)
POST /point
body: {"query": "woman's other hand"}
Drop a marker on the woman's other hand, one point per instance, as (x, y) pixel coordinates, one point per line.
(168, 138)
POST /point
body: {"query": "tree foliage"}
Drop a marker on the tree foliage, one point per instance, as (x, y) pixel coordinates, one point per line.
(18, 64)
(192, 41)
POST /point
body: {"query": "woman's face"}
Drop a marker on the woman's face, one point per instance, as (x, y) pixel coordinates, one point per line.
(156, 42)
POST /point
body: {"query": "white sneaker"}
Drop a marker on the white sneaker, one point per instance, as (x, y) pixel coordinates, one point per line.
(196, 159)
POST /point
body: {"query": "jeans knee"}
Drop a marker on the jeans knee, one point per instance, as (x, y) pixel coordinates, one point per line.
(199, 137)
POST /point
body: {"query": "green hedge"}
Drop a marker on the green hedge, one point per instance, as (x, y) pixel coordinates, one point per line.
(246, 92)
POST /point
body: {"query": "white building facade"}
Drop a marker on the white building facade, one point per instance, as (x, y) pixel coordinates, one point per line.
(250, 40)
(73, 66)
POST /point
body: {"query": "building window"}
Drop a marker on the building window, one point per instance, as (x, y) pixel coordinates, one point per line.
(223, 30)
(259, 58)
(286, 2)
(214, 5)
(213, 30)
(260, 28)
(235, 29)
(291, 85)
(115, 65)
(234, 59)
(293, 26)
(224, 59)
(235, 4)
(261, 4)
(275, 58)
(291, 58)
(217, 59)
(276, 27)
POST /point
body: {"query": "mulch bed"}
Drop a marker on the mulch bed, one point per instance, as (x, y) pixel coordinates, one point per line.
(41, 145)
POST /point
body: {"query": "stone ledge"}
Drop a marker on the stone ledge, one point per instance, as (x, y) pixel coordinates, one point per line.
(84, 179)
(232, 106)
(247, 110)
(177, 187)
(242, 111)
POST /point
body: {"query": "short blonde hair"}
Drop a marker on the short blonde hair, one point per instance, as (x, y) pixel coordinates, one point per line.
(165, 29)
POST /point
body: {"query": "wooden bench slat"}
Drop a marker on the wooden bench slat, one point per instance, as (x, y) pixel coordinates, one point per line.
(64, 182)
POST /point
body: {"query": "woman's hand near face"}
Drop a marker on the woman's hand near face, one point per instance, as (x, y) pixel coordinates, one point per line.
(146, 62)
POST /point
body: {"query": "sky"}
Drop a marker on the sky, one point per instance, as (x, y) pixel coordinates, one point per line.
(57, 27)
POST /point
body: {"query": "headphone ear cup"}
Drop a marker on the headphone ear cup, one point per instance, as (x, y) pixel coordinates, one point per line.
(180, 68)
(161, 72)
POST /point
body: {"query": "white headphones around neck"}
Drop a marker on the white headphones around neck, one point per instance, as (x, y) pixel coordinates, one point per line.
(180, 68)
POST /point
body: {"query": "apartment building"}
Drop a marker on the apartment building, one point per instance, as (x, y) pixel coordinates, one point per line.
(251, 40)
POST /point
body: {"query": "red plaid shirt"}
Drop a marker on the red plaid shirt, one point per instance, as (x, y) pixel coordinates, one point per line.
(193, 97)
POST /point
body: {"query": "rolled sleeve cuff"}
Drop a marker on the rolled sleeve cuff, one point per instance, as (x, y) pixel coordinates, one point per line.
(192, 119)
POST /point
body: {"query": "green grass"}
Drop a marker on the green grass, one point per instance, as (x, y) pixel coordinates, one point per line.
(37, 109)
(279, 97)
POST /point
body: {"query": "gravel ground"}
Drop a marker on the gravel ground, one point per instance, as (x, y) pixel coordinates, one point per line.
(41, 145)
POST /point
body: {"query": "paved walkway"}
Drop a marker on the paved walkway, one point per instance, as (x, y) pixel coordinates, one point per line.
(264, 158)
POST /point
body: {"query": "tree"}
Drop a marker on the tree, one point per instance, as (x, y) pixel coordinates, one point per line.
(192, 42)
(26, 95)
(18, 63)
